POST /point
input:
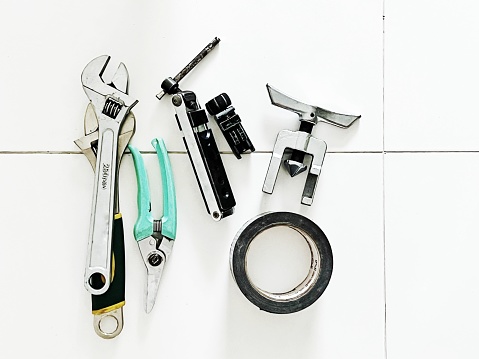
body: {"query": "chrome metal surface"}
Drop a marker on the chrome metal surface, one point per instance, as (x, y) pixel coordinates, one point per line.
(306, 143)
(148, 247)
(88, 144)
(301, 142)
(116, 315)
(309, 113)
(111, 107)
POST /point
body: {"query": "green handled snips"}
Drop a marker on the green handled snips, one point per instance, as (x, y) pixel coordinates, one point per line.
(155, 238)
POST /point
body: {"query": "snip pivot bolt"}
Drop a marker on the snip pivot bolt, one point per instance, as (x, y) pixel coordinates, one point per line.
(301, 142)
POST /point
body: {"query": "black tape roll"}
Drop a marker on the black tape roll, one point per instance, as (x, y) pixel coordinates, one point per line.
(308, 291)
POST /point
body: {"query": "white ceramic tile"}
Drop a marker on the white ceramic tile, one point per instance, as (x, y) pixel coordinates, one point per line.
(325, 53)
(432, 206)
(199, 312)
(431, 74)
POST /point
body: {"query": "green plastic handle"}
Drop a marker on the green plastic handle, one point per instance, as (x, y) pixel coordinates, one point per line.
(168, 221)
(144, 223)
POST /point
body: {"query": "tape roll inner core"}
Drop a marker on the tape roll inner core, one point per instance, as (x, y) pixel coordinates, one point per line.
(279, 259)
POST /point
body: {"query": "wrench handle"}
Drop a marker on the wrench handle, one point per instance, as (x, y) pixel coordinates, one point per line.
(114, 297)
(110, 304)
(98, 266)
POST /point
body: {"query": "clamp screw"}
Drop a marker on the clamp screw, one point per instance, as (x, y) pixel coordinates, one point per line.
(170, 85)
(155, 259)
(176, 100)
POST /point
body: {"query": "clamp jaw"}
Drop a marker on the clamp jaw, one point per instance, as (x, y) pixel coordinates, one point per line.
(230, 124)
(300, 143)
(204, 155)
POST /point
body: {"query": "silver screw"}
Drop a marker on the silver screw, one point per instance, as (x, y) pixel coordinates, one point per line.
(176, 100)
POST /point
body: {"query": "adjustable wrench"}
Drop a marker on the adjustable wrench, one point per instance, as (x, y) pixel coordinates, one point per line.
(109, 304)
(111, 107)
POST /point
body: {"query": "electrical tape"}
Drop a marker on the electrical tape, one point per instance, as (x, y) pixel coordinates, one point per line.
(304, 294)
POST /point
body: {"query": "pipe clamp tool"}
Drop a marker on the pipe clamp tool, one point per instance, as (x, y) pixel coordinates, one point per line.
(200, 143)
(300, 143)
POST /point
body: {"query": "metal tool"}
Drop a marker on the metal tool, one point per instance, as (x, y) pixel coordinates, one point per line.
(155, 238)
(110, 304)
(200, 143)
(204, 155)
(170, 85)
(88, 144)
(111, 106)
(301, 142)
(230, 124)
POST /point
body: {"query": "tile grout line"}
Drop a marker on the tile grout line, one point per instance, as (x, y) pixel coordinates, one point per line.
(384, 255)
(382, 152)
(384, 180)
(430, 151)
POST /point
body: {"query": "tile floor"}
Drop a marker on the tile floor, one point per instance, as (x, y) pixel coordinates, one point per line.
(398, 195)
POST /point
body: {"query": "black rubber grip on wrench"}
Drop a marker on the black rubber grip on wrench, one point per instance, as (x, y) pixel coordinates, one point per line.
(304, 226)
(115, 295)
(216, 172)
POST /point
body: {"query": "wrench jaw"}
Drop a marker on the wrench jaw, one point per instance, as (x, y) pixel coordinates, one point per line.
(88, 144)
(107, 99)
(120, 79)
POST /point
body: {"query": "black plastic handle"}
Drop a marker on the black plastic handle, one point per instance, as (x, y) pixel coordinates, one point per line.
(114, 297)
(230, 124)
(216, 172)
